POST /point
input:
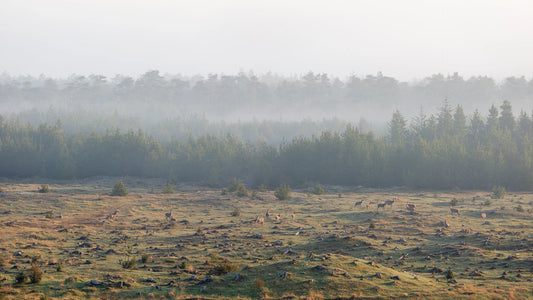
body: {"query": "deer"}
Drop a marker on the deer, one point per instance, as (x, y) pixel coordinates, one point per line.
(278, 218)
(358, 203)
(483, 216)
(368, 206)
(168, 215)
(267, 213)
(411, 207)
(381, 205)
(454, 211)
(259, 220)
(293, 216)
(390, 202)
(113, 215)
(466, 230)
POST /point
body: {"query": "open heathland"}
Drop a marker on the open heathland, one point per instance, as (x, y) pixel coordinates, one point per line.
(78, 241)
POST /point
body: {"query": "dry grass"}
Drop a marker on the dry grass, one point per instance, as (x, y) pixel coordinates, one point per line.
(328, 251)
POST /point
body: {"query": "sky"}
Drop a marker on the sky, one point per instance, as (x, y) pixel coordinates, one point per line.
(407, 39)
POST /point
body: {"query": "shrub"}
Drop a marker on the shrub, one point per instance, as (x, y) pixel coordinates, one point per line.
(169, 189)
(372, 225)
(144, 258)
(21, 277)
(238, 187)
(224, 192)
(44, 188)
(283, 192)
(183, 265)
(449, 274)
(119, 189)
(234, 185)
(259, 283)
(242, 191)
(35, 273)
(236, 212)
(318, 190)
(224, 267)
(519, 208)
(254, 194)
(262, 188)
(49, 214)
(128, 263)
(59, 267)
(454, 202)
(498, 192)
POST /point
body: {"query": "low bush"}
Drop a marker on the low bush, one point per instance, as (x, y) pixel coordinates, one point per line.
(119, 189)
(44, 188)
(224, 267)
(259, 283)
(21, 277)
(318, 190)
(144, 258)
(35, 273)
(236, 212)
(283, 192)
(169, 189)
(498, 192)
(128, 263)
(454, 202)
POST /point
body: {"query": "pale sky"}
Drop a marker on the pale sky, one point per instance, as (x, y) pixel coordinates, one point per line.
(406, 39)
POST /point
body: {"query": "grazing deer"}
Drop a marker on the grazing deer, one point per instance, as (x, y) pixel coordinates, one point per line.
(411, 208)
(466, 230)
(358, 203)
(381, 205)
(113, 215)
(293, 216)
(483, 216)
(454, 211)
(259, 220)
(390, 202)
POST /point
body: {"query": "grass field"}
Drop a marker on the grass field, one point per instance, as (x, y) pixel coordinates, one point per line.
(211, 246)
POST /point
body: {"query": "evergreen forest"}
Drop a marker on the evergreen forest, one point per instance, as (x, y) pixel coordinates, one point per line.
(440, 151)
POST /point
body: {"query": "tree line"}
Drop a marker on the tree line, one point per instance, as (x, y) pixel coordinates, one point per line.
(441, 151)
(244, 96)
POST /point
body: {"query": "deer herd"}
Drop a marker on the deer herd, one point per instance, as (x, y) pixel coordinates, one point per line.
(410, 207)
(381, 205)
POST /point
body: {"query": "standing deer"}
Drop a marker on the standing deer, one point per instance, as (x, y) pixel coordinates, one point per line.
(381, 205)
(293, 216)
(368, 206)
(454, 211)
(278, 218)
(358, 203)
(411, 208)
(390, 202)
(483, 216)
(168, 215)
(268, 213)
(259, 220)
